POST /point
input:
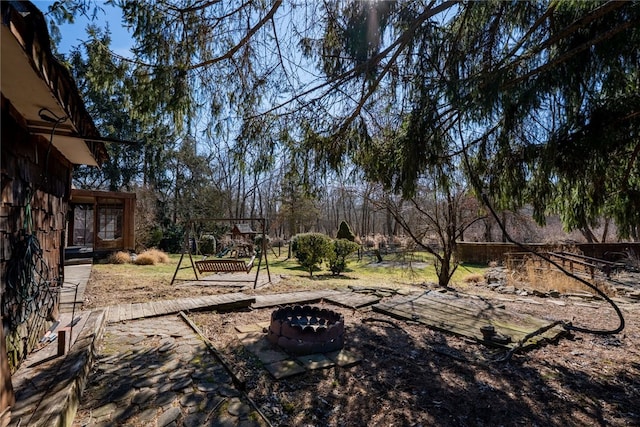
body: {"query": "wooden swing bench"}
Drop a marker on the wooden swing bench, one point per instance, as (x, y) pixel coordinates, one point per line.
(224, 265)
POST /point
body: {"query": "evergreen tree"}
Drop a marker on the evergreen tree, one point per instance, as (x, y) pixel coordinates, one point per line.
(344, 232)
(540, 98)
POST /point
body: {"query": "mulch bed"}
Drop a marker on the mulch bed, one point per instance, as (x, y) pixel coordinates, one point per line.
(413, 376)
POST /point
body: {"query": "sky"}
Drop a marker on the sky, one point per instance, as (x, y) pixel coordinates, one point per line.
(74, 34)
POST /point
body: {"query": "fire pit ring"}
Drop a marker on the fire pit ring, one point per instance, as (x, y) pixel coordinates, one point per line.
(302, 330)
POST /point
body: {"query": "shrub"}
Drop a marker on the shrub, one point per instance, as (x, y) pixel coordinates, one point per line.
(258, 241)
(342, 248)
(344, 232)
(207, 244)
(172, 239)
(151, 257)
(119, 257)
(311, 249)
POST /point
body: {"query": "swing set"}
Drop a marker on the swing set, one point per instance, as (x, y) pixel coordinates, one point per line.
(217, 263)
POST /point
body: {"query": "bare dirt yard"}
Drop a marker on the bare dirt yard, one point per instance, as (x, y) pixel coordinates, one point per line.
(410, 375)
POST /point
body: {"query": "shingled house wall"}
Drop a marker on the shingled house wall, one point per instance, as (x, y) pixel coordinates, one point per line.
(35, 179)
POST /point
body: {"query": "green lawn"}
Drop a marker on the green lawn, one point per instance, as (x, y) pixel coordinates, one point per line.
(417, 268)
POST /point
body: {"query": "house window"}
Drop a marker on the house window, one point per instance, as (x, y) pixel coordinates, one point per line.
(110, 222)
(82, 225)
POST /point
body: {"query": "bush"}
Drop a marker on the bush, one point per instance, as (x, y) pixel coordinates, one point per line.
(342, 248)
(152, 257)
(258, 241)
(344, 232)
(119, 257)
(172, 239)
(311, 249)
(207, 244)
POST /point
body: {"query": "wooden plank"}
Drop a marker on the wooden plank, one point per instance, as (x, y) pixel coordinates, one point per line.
(195, 303)
(161, 308)
(122, 312)
(443, 314)
(491, 313)
(146, 309)
(189, 304)
(112, 314)
(352, 300)
(454, 316)
(226, 302)
(304, 297)
(173, 306)
(179, 304)
(398, 313)
(136, 311)
(129, 312)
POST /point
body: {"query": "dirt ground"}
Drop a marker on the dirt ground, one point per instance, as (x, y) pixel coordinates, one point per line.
(414, 376)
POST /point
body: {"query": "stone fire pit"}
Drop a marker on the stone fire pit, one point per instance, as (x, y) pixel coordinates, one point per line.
(302, 330)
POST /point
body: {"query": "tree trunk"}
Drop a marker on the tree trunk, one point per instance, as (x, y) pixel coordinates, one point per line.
(605, 232)
(588, 234)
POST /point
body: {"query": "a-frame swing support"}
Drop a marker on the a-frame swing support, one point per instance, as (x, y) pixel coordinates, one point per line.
(186, 248)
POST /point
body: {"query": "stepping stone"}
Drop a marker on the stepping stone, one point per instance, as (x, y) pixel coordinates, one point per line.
(206, 386)
(268, 355)
(192, 399)
(182, 384)
(284, 369)
(169, 416)
(144, 395)
(147, 415)
(165, 398)
(315, 361)
(237, 408)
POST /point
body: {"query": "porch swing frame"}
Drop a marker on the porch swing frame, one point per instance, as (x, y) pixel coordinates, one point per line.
(209, 267)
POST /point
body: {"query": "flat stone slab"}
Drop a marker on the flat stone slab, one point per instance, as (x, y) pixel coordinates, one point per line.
(267, 356)
(284, 369)
(315, 361)
(281, 365)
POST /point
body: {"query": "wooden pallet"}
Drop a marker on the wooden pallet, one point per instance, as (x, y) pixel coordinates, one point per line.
(464, 316)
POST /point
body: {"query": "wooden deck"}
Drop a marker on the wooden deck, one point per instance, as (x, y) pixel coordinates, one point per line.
(123, 312)
(465, 316)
